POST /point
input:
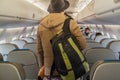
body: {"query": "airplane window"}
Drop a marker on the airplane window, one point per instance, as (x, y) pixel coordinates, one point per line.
(102, 32)
(14, 38)
(108, 35)
(2, 41)
(21, 36)
(32, 33)
(27, 35)
(114, 36)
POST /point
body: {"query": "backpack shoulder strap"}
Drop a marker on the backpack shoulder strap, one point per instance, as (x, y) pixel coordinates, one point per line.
(66, 25)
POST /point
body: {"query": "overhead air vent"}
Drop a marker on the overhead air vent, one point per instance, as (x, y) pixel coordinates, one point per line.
(116, 1)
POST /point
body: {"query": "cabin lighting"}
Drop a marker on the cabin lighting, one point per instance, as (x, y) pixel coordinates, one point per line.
(82, 4)
(2, 41)
(37, 4)
(114, 36)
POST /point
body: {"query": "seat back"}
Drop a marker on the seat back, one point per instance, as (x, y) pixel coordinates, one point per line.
(27, 59)
(115, 46)
(32, 47)
(6, 48)
(19, 43)
(91, 45)
(33, 36)
(11, 71)
(28, 39)
(95, 54)
(93, 36)
(106, 41)
(105, 70)
(99, 38)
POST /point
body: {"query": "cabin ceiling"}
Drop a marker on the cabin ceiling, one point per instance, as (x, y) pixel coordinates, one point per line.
(75, 5)
(28, 12)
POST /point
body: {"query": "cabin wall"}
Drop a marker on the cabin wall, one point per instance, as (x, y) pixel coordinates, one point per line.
(9, 34)
(112, 31)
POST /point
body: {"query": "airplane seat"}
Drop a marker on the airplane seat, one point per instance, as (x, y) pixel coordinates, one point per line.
(89, 38)
(33, 36)
(115, 46)
(94, 54)
(103, 40)
(33, 47)
(91, 45)
(27, 59)
(106, 41)
(99, 38)
(11, 71)
(105, 70)
(1, 57)
(93, 36)
(90, 34)
(19, 43)
(5, 48)
(28, 39)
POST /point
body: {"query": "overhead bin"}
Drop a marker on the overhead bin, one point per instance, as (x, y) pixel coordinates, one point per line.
(105, 12)
(20, 9)
(104, 6)
(20, 12)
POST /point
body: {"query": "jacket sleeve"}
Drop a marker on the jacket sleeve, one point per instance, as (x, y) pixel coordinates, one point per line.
(75, 30)
(40, 54)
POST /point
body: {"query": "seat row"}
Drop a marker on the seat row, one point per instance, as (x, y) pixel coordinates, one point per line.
(26, 59)
(105, 42)
(102, 52)
(101, 70)
(24, 54)
(5, 48)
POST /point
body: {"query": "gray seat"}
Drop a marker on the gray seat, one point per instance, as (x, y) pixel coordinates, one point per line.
(96, 54)
(19, 43)
(90, 34)
(91, 45)
(99, 38)
(1, 57)
(33, 36)
(6, 48)
(115, 46)
(106, 41)
(33, 47)
(105, 70)
(11, 71)
(28, 39)
(93, 36)
(27, 59)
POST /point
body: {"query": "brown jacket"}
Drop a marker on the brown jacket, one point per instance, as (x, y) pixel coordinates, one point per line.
(50, 25)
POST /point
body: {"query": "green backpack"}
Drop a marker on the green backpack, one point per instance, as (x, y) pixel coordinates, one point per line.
(69, 61)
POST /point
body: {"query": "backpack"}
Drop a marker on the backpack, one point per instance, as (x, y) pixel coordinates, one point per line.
(69, 61)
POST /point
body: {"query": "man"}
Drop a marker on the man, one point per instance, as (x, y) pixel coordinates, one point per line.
(48, 27)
